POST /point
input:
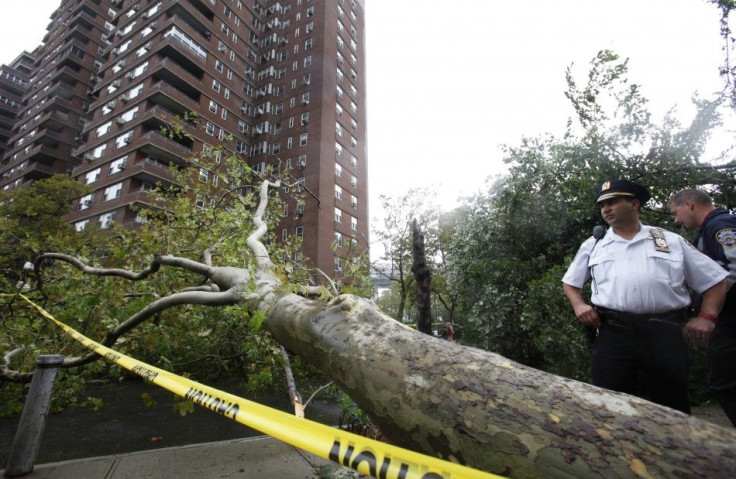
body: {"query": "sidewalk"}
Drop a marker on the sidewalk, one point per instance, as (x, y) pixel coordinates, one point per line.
(254, 457)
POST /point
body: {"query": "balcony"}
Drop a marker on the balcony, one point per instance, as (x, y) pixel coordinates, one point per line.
(172, 72)
(171, 98)
(156, 145)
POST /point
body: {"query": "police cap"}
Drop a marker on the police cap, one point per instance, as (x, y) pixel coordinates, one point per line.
(623, 189)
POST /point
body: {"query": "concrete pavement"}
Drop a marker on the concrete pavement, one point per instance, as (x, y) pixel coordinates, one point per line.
(255, 457)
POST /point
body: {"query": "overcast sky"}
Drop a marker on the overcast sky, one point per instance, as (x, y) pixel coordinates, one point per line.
(451, 80)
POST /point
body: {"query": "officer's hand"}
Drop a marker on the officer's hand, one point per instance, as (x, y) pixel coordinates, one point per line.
(587, 315)
(697, 331)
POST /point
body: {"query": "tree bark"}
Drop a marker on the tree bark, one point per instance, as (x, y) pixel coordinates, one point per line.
(483, 410)
(423, 278)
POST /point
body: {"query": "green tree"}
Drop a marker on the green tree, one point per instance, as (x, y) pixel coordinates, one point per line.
(32, 221)
(395, 238)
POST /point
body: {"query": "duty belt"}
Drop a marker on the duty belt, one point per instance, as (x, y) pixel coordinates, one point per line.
(629, 321)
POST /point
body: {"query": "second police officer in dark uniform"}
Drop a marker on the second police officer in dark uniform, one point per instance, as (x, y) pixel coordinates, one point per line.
(639, 277)
(716, 237)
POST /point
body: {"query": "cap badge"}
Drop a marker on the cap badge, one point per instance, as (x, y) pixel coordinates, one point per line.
(606, 185)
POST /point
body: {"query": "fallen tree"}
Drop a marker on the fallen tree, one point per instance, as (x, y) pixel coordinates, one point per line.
(438, 397)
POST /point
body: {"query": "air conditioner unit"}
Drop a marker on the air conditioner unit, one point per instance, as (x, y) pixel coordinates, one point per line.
(111, 104)
(259, 111)
(149, 45)
(244, 109)
(130, 75)
(305, 102)
(119, 33)
(136, 7)
(116, 83)
(301, 163)
(258, 130)
(120, 121)
(153, 25)
(223, 48)
(114, 51)
(124, 99)
(126, 140)
(145, 15)
(89, 156)
(305, 82)
(304, 121)
(86, 203)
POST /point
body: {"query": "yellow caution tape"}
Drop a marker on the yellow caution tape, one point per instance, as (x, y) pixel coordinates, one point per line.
(364, 455)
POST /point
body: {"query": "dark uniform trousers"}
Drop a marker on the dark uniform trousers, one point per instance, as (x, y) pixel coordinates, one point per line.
(721, 351)
(653, 344)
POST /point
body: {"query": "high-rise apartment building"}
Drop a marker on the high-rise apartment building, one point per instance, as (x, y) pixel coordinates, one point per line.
(277, 83)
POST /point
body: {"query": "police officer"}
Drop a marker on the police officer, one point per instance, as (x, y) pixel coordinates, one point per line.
(716, 237)
(639, 298)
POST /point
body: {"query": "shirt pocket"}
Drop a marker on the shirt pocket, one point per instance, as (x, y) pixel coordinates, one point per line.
(666, 266)
(601, 266)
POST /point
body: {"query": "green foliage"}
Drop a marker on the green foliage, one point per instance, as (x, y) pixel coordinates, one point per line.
(207, 208)
(512, 245)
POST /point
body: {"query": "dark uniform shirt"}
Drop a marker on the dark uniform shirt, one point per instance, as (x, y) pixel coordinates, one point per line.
(716, 237)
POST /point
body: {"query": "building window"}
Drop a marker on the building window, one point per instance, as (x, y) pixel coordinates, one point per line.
(210, 129)
(117, 166)
(303, 139)
(307, 61)
(213, 106)
(353, 201)
(338, 192)
(112, 192)
(338, 215)
(91, 176)
(338, 151)
(106, 219)
(353, 161)
(338, 170)
(299, 231)
(338, 263)
(338, 129)
(85, 202)
(338, 238)
(354, 223)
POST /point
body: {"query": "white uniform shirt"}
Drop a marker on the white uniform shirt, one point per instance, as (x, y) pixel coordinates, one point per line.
(632, 276)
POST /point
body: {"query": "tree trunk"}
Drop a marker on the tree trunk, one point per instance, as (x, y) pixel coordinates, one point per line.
(423, 277)
(486, 411)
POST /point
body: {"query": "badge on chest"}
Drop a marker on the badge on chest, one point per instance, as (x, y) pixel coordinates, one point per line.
(660, 243)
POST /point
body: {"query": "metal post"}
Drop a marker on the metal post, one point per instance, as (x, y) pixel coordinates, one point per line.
(27, 439)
